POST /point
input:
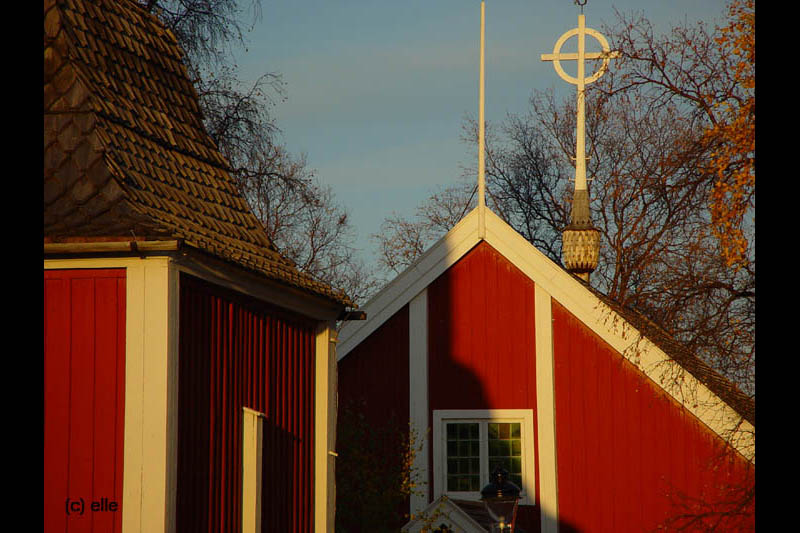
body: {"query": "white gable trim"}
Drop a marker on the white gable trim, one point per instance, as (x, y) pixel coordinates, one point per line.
(442, 510)
(581, 302)
(441, 256)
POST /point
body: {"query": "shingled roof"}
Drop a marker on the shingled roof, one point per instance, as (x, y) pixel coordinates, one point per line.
(125, 150)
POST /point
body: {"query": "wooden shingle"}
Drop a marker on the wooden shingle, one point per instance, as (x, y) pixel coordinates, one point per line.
(116, 61)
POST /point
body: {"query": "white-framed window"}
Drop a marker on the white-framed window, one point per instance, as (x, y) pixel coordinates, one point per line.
(468, 444)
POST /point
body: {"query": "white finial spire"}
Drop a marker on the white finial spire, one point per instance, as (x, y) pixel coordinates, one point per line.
(482, 130)
(581, 241)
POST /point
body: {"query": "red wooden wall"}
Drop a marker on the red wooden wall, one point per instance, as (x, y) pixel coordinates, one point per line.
(238, 352)
(481, 349)
(84, 395)
(629, 456)
(376, 372)
(373, 380)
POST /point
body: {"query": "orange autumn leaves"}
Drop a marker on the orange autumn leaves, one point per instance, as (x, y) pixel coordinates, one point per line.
(733, 134)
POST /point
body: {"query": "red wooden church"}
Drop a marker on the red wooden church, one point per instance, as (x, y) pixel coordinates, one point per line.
(188, 366)
(498, 356)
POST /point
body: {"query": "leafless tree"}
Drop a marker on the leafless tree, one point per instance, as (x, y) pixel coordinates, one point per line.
(401, 241)
(649, 155)
(299, 213)
(207, 30)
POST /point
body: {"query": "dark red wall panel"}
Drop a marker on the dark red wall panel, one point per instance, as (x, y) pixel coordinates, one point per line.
(481, 350)
(630, 458)
(373, 381)
(376, 372)
(237, 352)
(481, 341)
(84, 395)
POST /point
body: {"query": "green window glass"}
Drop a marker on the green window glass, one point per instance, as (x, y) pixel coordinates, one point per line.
(463, 456)
(505, 449)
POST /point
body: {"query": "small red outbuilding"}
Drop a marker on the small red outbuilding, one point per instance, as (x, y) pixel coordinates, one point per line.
(188, 366)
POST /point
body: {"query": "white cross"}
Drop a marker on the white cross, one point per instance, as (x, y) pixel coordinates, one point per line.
(581, 81)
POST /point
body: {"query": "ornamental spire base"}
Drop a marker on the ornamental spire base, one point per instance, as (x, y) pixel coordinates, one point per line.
(580, 244)
(580, 241)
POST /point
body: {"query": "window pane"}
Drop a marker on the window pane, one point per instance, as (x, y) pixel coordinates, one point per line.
(452, 482)
(452, 466)
(475, 448)
(463, 483)
(505, 431)
(475, 483)
(505, 449)
(516, 447)
(463, 456)
(464, 448)
(452, 448)
(494, 447)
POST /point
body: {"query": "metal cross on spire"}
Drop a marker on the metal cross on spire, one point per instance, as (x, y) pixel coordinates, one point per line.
(581, 81)
(580, 239)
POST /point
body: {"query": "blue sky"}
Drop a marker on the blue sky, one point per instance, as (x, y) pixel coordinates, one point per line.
(377, 91)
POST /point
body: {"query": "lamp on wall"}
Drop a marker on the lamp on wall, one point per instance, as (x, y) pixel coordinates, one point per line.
(501, 497)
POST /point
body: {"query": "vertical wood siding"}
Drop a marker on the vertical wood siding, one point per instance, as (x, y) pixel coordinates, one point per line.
(234, 352)
(629, 456)
(481, 344)
(373, 380)
(84, 382)
(376, 372)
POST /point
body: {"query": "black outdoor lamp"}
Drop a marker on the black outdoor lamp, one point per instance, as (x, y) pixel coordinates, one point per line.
(500, 497)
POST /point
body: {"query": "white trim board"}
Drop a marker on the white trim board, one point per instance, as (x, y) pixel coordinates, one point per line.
(562, 287)
(418, 403)
(252, 460)
(546, 411)
(324, 429)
